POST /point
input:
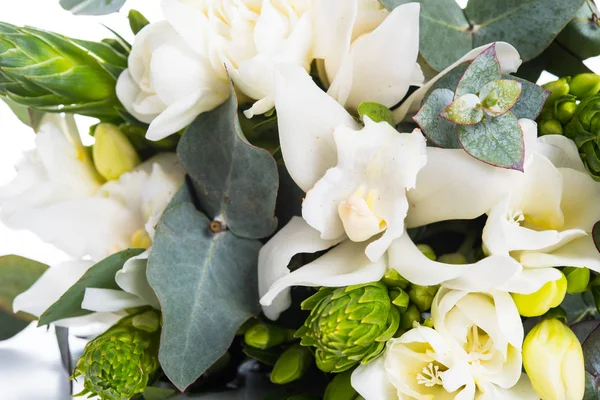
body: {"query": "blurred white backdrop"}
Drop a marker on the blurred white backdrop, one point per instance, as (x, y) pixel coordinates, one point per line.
(30, 366)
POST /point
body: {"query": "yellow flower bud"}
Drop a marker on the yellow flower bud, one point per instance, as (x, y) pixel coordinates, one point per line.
(538, 303)
(553, 359)
(113, 153)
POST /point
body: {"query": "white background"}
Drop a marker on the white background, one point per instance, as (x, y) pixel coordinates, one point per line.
(29, 364)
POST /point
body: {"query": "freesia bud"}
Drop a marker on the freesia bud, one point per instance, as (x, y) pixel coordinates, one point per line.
(550, 127)
(453, 258)
(557, 88)
(292, 364)
(340, 387)
(577, 279)
(422, 296)
(427, 251)
(565, 108)
(409, 317)
(538, 303)
(264, 336)
(113, 153)
(585, 85)
(553, 359)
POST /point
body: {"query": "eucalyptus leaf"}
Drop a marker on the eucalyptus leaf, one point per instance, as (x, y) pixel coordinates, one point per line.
(206, 283)
(591, 353)
(447, 33)
(100, 275)
(591, 387)
(582, 35)
(531, 101)
(496, 141)
(483, 69)
(17, 274)
(92, 7)
(234, 181)
(464, 110)
(506, 93)
(440, 132)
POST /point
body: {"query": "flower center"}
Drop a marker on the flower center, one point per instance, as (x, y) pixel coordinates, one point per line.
(358, 215)
(479, 345)
(140, 239)
(430, 375)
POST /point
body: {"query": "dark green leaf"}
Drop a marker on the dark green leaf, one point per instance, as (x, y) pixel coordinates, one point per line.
(266, 356)
(496, 141)
(234, 181)
(531, 101)
(207, 286)
(10, 325)
(483, 69)
(92, 7)
(591, 387)
(450, 80)
(591, 353)
(156, 393)
(438, 131)
(17, 274)
(596, 235)
(137, 21)
(583, 329)
(582, 35)
(579, 307)
(101, 275)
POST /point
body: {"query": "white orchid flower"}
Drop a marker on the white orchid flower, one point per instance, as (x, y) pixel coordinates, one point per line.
(473, 353)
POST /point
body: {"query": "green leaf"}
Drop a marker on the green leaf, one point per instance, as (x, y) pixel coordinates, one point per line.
(483, 69)
(496, 141)
(592, 391)
(92, 7)
(234, 181)
(10, 325)
(531, 101)
(267, 356)
(505, 93)
(137, 21)
(591, 353)
(207, 286)
(596, 235)
(440, 132)
(377, 112)
(101, 275)
(465, 110)
(582, 35)
(26, 115)
(529, 25)
(156, 393)
(17, 274)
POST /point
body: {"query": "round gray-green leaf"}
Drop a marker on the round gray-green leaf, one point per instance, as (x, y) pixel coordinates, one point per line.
(92, 7)
(465, 110)
(440, 132)
(506, 92)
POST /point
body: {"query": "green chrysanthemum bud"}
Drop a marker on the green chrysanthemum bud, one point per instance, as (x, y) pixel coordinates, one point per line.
(393, 279)
(113, 153)
(292, 365)
(550, 127)
(118, 364)
(585, 85)
(264, 336)
(399, 298)
(348, 325)
(565, 108)
(422, 296)
(54, 73)
(557, 89)
(340, 388)
(577, 279)
(427, 251)
(584, 130)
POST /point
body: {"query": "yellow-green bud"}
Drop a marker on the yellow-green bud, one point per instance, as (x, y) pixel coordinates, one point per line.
(538, 303)
(113, 153)
(553, 360)
(428, 323)
(340, 387)
(565, 108)
(422, 296)
(557, 88)
(409, 317)
(400, 299)
(577, 279)
(550, 127)
(453, 258)
(427, 251)
(292, 364)
(393, 279)
(264, 336)
(585, 85)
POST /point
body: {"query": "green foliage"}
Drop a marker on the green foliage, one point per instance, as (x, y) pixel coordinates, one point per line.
(582, 35)
(156, 393)
(137, 21)
(584, 130)
(375, 111)
(293, 363)
(264, 336)
(26, 115)
(118, 364)
(54, 73)
(348, 325)
(101, 275)
(10, 324)
(92, 7)
(206, 283)
(340, 387)
(447, 33)
(439, 131)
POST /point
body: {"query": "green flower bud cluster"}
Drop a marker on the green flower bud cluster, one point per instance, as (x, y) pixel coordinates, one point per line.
(118, 364)
(54, 73)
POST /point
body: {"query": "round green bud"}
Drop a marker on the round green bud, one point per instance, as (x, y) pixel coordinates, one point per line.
(550, 127)
(340, 387)
(585, 85)
(422, 296)
(291, 365)
(538, 303)
(348, 325)
(119, 363)
(400, 299)
(453, 258)
(427, 251)
(565, 108)
(393, 279)
(409, 317)
(264, 336)
(113, 153)
(584, 130)
(577, 279)
(557, 88)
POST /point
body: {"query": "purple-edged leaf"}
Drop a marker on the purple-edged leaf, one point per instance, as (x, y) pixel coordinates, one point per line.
(466, 110)
(483, 69)
(531, 101)
(500, 96)
(496, 141)
(439, 131)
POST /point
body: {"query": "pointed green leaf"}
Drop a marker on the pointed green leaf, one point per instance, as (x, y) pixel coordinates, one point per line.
(439, 131)
(101, 275)
(504, 92)
(17, 274)
(465, 110)
(531, 101)
(10, 324)
(92, 7)
(375, 111)
(496, 141)
(26, 115)
(137, 21)
(207, 286)
(234, 180)
(483, 69)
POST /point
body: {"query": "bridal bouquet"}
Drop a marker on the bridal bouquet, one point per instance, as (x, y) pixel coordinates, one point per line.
(306, 199)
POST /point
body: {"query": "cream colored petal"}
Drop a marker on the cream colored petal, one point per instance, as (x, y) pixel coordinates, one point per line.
(371, 381)
(109, 300)
(561, 151)
(128, 92)
(132, 279)
(189, 21)
(578, 253)
(530, 280)
(580, 203)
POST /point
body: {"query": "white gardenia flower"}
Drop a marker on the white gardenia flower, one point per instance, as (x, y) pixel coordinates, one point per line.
(473, 353)
(179, 68)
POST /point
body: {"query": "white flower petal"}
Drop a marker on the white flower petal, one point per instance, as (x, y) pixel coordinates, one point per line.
(530, 280)
(371, 382)
(294, 238)
(306, 136)
(561, 151)
(132, 279)
(521, 391)
(577, 253)
(109, 300)
(128, 92)
(580, 203)
(189, 21)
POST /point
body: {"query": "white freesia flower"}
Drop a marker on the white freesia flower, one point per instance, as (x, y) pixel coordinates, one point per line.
(473, 353)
